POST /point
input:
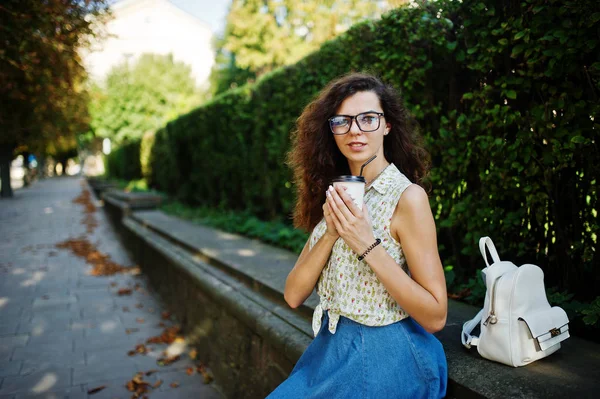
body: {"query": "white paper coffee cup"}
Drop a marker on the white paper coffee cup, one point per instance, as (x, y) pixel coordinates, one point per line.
(355, 187)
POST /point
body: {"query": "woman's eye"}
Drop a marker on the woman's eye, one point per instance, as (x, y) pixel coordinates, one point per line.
(368, 119)
(339, 122)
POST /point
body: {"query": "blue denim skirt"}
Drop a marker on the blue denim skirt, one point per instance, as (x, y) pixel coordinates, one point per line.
(400, 360)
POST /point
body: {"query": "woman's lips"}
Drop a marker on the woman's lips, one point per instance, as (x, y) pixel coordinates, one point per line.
(357, 147)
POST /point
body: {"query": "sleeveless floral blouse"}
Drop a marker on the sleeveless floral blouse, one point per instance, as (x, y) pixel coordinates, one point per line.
(347, 286)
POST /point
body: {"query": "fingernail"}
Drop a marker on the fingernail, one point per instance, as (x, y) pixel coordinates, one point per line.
(345, 188)
(331, 188)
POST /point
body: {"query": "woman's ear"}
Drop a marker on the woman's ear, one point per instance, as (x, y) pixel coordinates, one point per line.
(388, 127)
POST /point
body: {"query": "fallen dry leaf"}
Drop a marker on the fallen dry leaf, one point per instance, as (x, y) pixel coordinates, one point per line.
(125, 309)
(174, 384)
(193, 353)
(157, 384)
(139, 320)
(124, 291)
(168, 336)
(165, 315)
(139, 306)
(131, 330)
(189, 371)
(205, 374)
(165, 361)
(113, 284)
(88, 208)
(137, 385)
(102, 264)
(150, 372)
(95, 390)
(139, 348)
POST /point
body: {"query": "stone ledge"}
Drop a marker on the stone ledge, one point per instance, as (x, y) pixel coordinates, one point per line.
(133, 200)
(100, 185)
(572, 371)
(265, 317)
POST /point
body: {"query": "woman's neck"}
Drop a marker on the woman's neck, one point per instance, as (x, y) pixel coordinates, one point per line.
(372, 170)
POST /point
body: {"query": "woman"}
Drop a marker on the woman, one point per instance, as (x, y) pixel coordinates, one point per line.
(374, 321)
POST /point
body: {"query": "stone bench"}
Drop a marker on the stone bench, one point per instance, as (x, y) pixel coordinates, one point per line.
(227, 291)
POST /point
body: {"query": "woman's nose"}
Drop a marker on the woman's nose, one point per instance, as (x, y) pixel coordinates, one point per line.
(354, 129)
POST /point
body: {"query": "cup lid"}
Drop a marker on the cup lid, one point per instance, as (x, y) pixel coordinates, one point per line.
(349, 179)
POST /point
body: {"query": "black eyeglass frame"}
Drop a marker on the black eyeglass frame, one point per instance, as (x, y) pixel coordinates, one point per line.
(353, 119)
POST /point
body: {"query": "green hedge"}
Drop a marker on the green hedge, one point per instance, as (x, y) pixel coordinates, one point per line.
(506, 94)
(124, 161)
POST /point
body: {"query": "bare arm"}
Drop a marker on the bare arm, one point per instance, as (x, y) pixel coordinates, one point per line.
(304, 276)
(423, 296)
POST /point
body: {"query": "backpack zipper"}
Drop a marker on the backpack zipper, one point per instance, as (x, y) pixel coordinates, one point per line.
(492, 317)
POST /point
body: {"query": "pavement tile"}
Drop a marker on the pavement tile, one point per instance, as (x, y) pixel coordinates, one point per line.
(92, 310)
(54, 337)
(68, 393)
(42, 325)
(38, 382)
(99, 372)
(51, 363)
(53, 300)
(10, 342)
(10, 328)
(103, 341)
(200, 391)
(47, 352)
(8, 368)
(116, 387)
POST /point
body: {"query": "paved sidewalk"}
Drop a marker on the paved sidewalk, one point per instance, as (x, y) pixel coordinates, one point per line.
(64, 332)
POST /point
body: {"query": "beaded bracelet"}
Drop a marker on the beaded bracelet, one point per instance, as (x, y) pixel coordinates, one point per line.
(376, 243)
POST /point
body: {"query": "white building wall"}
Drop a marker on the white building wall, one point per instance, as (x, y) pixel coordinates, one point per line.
(152, 26)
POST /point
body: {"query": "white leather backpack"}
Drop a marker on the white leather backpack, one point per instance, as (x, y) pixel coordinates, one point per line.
(518, 326)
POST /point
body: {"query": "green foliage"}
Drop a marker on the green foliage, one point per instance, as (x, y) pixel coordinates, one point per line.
(124, 161)
(41, 73)
(261, 35)
(507, 100)
(146, 144)
(591, 313)
(272, 232)
(142, 97)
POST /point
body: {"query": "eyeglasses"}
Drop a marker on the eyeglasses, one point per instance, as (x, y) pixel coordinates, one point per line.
(366, 122)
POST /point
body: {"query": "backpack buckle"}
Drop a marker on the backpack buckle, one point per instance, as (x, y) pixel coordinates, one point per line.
(554, 332)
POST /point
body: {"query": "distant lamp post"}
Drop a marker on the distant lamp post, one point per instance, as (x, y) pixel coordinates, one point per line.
(106, 146)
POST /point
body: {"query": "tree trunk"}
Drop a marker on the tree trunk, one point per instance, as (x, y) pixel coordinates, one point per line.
(6, 152)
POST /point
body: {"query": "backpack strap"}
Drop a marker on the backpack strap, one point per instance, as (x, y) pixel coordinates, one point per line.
(466, 337)
(487, 242)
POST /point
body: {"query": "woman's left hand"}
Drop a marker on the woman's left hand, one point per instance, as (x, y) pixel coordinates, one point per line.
(352, 223)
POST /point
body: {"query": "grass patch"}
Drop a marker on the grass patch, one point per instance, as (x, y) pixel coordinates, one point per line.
(276, 233)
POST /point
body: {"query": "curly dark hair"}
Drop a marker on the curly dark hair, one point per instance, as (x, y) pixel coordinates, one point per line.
(315, 158)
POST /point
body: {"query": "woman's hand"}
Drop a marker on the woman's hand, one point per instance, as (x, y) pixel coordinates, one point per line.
(331, 230)
(351, 223)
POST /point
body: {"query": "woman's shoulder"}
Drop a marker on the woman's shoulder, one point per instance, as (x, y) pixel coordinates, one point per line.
(414, 197)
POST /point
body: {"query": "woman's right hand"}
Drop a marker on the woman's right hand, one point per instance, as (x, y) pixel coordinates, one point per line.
(331, 230)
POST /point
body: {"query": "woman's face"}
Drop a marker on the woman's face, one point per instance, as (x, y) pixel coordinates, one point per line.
(356, 145)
